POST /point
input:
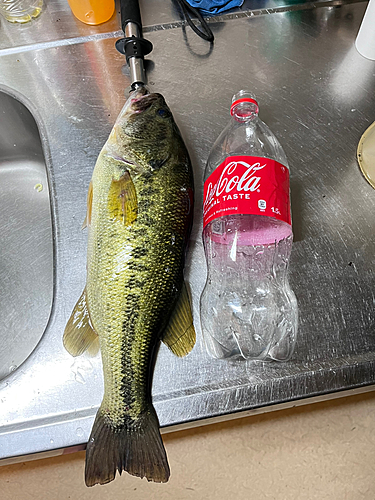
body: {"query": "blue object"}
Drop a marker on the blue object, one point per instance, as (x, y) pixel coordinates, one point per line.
(214, 6)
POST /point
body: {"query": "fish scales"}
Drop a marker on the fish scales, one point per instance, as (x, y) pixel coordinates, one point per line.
(158, 258)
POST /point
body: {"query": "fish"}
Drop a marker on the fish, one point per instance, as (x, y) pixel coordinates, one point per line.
(139, 217)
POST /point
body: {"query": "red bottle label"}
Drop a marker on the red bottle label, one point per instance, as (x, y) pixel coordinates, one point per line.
(247, 185)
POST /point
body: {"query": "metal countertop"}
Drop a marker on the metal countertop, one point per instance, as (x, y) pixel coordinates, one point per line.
(317, 94)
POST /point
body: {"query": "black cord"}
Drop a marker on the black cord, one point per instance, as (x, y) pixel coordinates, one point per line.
(187, 10)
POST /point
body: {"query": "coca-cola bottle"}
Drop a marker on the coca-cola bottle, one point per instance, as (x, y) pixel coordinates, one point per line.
(247, 307)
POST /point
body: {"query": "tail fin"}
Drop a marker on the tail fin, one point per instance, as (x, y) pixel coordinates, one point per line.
(136, 448)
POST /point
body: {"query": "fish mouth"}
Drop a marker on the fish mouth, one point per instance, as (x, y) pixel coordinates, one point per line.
(142, 101)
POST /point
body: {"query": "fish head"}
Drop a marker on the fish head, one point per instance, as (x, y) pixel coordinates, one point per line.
(145, 131)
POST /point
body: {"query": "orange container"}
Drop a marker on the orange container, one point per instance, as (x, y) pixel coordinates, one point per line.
(92, 11)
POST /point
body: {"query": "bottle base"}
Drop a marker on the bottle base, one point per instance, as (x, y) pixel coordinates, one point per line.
(217, 351)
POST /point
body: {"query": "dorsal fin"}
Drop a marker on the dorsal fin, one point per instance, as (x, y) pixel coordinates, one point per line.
(87, 220)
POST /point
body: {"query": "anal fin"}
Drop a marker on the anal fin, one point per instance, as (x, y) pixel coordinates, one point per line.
(179, 334)
(79, 335)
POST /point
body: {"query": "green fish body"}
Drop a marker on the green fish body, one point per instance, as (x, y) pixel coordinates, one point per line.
(139, 215)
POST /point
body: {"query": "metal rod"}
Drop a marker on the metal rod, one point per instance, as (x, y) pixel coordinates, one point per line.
(132, 29)
(133, 46)
(136, 65)
(137, 72)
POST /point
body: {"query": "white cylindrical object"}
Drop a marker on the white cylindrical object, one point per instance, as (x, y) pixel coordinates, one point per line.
(365, 41)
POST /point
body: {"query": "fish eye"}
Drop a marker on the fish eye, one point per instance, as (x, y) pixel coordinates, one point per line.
(163, 113)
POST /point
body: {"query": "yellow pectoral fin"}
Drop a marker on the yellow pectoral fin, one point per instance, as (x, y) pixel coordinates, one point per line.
(87, 220)
(79, 335)
(179, 335)
(122, 200)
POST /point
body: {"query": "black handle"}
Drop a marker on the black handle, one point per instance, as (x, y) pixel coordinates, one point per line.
(130, 13)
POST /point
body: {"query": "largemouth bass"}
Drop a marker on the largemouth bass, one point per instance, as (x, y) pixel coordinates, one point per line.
(139, 216)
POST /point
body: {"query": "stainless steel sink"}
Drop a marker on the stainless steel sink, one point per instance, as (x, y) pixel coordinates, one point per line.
(26, 248)
(74, 88)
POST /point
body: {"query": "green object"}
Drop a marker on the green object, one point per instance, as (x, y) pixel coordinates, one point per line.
(139, 216)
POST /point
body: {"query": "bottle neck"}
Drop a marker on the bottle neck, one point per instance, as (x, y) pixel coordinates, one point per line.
(244, 107)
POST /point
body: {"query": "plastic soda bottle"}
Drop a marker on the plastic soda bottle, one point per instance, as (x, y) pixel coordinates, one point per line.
(247, 307)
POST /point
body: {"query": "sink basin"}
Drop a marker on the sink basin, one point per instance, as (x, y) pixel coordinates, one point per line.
(26, 245)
